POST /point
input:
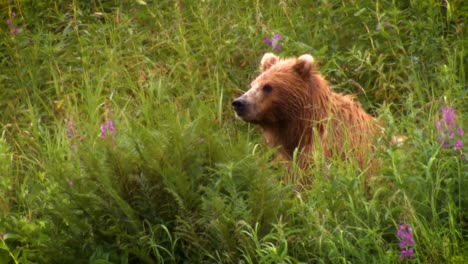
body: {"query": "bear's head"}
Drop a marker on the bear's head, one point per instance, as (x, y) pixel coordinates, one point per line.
(279, 93)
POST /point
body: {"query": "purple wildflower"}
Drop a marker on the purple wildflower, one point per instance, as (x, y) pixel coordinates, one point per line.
(448, 115)
(405, 233)
(407, 253)
(458, 145)
(273, 42)
(110, 125)
(13, 29)
(448, 133)
(103, 131)
(106, 129)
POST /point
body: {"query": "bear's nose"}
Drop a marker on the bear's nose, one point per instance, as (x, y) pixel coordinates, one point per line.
(239, 105)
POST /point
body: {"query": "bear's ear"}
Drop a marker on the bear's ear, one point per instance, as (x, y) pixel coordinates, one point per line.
(304, 65)
(268, 60)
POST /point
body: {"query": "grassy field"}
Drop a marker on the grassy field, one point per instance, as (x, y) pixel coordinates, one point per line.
(118, 143)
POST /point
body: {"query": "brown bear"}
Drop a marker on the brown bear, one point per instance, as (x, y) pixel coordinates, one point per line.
(297, 111)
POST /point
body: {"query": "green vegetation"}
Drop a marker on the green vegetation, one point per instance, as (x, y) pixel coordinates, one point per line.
(175, 178)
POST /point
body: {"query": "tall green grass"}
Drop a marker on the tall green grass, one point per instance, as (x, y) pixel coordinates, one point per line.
(180, 180)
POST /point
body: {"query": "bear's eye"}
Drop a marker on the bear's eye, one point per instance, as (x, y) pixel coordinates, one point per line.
(267, 88)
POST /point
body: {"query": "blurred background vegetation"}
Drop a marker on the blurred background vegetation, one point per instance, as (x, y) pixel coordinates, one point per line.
(118, 144)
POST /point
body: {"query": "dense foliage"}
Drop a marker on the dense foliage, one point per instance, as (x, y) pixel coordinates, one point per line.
(118, 144)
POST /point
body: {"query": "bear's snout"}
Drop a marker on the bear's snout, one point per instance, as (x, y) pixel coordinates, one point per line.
(239, 105)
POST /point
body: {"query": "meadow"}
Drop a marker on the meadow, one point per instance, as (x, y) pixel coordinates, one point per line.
(118, 143)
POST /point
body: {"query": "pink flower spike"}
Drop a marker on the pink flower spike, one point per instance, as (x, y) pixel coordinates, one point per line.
(103, 131)
(405, 233)
(13, 14)
(458, 145)
(273, 42)
(9, 21)
(110, 125)
(448, 115)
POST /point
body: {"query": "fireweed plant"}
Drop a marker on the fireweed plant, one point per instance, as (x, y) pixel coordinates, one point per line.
(405, 234)
(273, 42)
(450, 135)
(10, 22)
(107, 129)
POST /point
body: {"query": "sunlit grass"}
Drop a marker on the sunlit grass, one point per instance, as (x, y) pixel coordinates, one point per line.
(177, 178)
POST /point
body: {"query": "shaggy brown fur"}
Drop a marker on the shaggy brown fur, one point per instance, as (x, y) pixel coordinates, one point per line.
(296, 109)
